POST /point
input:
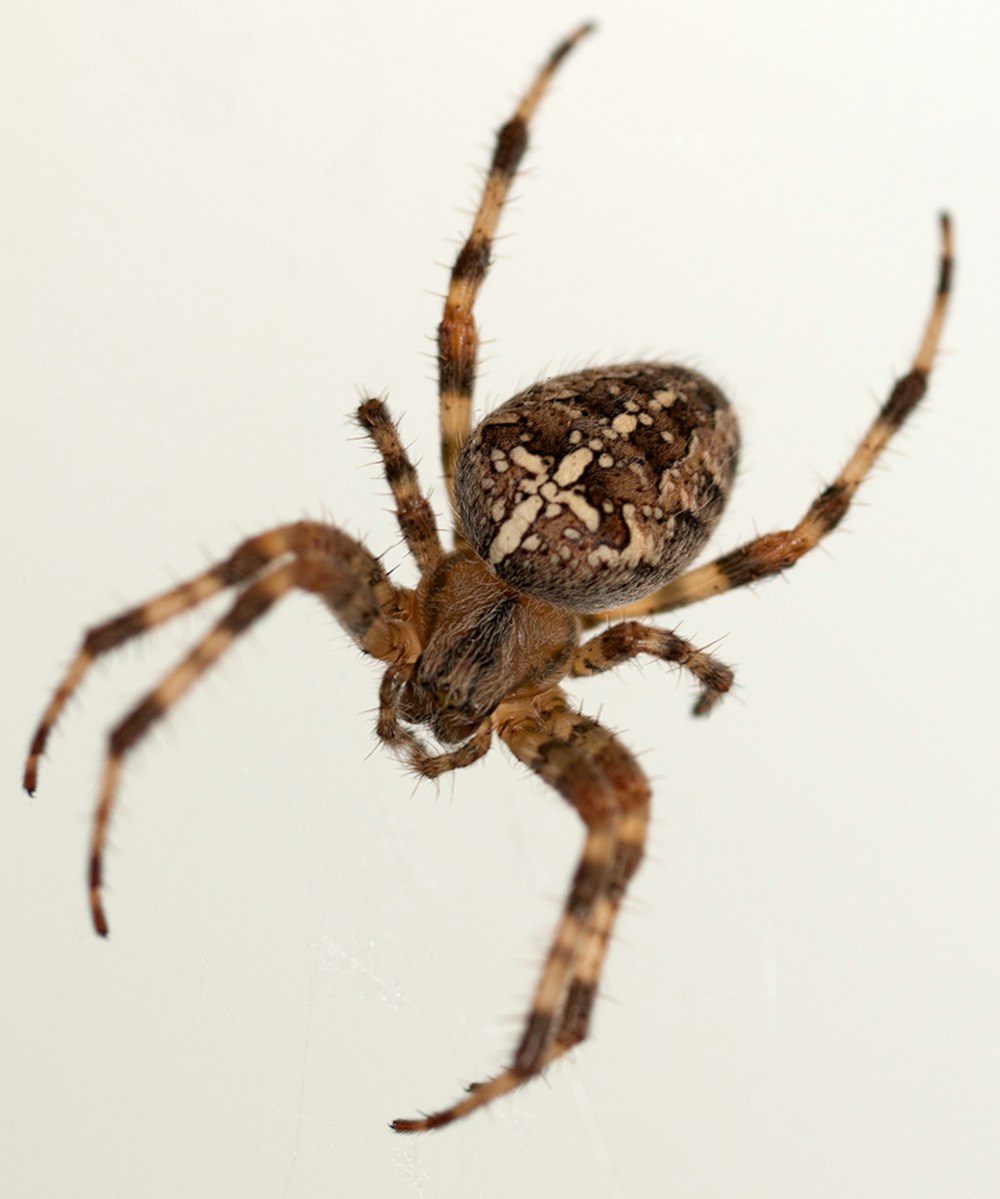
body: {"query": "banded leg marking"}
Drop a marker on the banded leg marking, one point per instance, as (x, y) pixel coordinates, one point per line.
(604, 783)
(413, 512)
(776, 552)
(630, 638)
(366, 597)
(324, 561)
(580, 998)
(246, 561)
(458, 337)
(248, 608)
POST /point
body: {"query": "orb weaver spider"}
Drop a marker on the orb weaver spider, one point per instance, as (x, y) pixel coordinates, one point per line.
(579, 502)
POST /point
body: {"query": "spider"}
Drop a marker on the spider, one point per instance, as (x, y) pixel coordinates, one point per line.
(579, 502)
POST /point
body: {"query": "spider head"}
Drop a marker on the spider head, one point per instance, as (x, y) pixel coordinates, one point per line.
(450, 707)
(483, 642)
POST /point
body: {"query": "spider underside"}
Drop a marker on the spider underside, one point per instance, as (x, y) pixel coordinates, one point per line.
(579, 502)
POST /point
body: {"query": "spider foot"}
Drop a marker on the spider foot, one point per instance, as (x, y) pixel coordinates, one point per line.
(478, 1094)
(30, 779)
(97, 915)
(717, 679)
(706, 701)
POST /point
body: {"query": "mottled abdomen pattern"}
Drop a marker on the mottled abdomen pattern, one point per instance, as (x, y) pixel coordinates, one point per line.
(593, 489)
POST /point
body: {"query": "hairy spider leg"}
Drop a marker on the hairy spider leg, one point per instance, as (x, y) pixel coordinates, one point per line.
(628, 639)
(776, 552)
(458, 338)
(602, 780)
(324, 561)
(413, 512)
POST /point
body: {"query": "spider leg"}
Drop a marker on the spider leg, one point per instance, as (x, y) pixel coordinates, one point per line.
(575, 1019)
(776, 552)
(413, 512)
(603, 782)
(248, 608)
(407, 745)
(630, 638)
(247, 560)
(243, 564)
(324, 561)
(458, 339)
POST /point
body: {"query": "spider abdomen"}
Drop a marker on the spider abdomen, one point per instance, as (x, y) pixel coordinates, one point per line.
(592, 489)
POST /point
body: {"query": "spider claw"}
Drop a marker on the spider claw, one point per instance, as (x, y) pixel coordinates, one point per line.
(710, 696)
(97, 915)
(422, 1124)
(30, 780)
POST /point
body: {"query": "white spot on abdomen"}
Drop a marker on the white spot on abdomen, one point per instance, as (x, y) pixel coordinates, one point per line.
(624, 423)
(573, 466)
(513, 529)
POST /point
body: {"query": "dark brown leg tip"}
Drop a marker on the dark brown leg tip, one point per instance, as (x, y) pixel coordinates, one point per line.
(99, 919)
(407, 1126)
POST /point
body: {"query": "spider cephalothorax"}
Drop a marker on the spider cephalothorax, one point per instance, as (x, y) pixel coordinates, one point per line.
(580, 501)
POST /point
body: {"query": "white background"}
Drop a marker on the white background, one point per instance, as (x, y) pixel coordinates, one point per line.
(222, 220)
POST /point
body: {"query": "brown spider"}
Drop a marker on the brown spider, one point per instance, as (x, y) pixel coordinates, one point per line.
(579, 501)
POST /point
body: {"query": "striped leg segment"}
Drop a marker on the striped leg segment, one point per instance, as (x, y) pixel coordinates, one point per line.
(249, 607)
(324, 561)
(604, 783)
(776, 552)
(630, 638)
(458, 339)
(413, 512)
(575, 1023)
(243, 564)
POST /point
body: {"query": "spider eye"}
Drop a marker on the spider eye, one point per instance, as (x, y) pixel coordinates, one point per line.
(593, 489)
